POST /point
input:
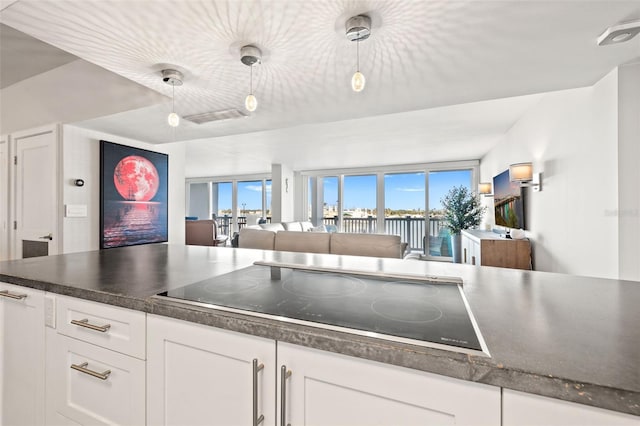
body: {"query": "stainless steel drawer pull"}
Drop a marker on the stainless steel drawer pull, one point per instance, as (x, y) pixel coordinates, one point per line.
(257, 419)
(284, 375)
(85, 323)
(82, 368)
(5, 293)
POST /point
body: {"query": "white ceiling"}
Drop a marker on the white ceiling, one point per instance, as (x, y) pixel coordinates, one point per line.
(22, 50)
(421, 55)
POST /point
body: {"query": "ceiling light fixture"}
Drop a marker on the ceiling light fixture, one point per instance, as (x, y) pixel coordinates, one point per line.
(250, 55)
(174, 78)
(358, 29)
(619, 33)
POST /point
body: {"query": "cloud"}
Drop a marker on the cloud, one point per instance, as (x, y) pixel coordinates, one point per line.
(410, 189)
(257, 188)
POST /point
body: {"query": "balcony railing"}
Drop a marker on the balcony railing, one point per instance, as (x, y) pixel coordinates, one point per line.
(410, 229)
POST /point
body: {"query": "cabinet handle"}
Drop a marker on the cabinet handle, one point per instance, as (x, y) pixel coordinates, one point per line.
(257, 419)
(5, 293)
(82, 368)
(465, 256)
(284, 375)
(85, 323)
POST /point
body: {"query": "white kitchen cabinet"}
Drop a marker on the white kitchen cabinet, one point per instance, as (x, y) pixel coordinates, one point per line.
(95, 369)
(22, 359)
(523, 409)
(199, 375)
(115, 395)
(331, 389)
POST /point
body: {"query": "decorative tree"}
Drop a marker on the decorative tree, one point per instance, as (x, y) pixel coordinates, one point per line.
(462, 210)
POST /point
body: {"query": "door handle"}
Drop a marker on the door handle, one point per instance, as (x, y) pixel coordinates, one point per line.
(83, 369)
(5, 293)
(47, 237)
(284, 375)
(257, 418)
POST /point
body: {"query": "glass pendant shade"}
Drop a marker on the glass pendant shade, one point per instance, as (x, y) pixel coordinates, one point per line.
(358, 81)
(173, 119)
(251, 103)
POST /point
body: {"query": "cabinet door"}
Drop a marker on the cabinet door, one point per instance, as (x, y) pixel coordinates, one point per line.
(200, 375)
(114, 395)
(21, 356)
(524, 409)
(331, 389)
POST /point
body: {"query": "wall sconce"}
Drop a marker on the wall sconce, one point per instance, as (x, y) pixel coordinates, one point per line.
(484, 188)
(522, 173)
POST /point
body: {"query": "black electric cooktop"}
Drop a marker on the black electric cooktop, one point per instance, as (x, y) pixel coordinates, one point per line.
(406, 310)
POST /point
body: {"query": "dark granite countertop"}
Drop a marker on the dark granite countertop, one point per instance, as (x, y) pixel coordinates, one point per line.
(561, 336)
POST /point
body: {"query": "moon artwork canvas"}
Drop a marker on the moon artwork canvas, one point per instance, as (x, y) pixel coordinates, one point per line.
(133, 188)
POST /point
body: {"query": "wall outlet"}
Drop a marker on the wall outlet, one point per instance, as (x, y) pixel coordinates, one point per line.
(50, 311)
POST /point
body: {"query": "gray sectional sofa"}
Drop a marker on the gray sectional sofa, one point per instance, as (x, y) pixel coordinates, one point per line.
(292, 236)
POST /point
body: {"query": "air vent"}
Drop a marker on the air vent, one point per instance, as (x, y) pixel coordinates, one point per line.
(206, 117)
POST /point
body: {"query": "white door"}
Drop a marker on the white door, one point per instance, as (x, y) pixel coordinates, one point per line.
(4, 198)
(36, 193)
(330, 389)
(199, 375)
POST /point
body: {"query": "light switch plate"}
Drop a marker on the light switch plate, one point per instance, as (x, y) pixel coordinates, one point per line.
(75, 210)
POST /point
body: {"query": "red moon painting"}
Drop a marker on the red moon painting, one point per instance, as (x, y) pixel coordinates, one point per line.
(136, 178)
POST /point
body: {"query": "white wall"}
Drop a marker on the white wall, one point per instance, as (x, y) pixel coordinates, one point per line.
(282, 193)
(4, 197)
(571, 137)
(629, 171)
(81, 160)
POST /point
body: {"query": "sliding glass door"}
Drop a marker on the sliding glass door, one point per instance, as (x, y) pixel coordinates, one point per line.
(440, 182)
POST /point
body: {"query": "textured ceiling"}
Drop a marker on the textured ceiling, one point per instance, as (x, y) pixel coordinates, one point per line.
(422, 54)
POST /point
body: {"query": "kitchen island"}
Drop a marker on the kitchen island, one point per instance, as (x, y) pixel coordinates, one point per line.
(570, 338)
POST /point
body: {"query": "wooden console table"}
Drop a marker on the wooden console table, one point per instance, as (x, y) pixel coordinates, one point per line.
(487, 248)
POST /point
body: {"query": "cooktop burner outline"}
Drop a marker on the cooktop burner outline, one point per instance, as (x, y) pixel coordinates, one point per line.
(423, 313)
(307, 288)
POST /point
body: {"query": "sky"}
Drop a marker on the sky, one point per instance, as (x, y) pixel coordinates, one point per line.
(402, 191)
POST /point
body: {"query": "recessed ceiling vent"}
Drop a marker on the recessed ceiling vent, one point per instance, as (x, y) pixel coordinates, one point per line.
(206, 117)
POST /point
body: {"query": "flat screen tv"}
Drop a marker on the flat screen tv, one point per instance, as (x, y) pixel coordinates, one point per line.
(133, 196)
(508, 202)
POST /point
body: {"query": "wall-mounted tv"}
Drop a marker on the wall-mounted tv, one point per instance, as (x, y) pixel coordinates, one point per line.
(133, 196)
(508, 202)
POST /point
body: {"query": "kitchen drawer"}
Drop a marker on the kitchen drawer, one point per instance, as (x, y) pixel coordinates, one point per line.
(78, 397)
(125, 332)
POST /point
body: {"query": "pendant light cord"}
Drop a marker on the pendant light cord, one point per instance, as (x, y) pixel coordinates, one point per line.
(173, 97)
(251, 79)
(358, 53)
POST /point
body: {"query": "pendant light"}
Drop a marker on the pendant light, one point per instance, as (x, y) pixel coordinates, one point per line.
(250, 56)
(174, 78)
(358, 29)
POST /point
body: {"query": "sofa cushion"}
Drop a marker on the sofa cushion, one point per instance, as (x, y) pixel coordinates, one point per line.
(305, 242)
(375, 245)
(256, 238)
(306, 226)
(272, 226)
(292, 226)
